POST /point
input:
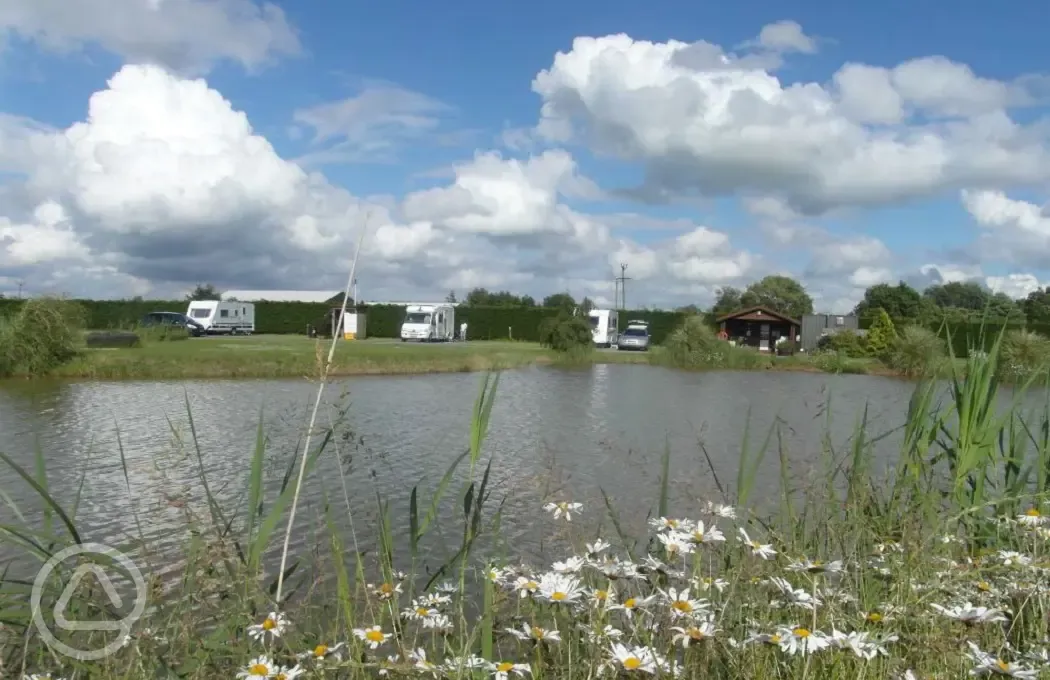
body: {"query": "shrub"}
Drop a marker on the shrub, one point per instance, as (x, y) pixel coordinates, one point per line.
(831, 361)
(1023, 353)
(694, 344)
(567, 333)
(163, 333)
(881, 335)
(917, 351)
(43, 334)
(845, 342)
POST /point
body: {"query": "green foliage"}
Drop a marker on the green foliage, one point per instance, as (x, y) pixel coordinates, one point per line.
(567, 333)
(881, 335)
(39, 336)
(695, 345)
(560, 301)
(917, 351)
(900, 301)
(481, 297)
(726, 301)
(1024, 353)
(782, 294)
(163, 333)
(204, 291)
(845, 342)
(831, 361)
(1037, 307)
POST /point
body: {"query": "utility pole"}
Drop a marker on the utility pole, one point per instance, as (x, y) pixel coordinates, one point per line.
(622, 281)
(20, 284)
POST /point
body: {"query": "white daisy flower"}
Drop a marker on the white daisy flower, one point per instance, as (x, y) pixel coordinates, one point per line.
(563, 509)
(764, 551)
(272, 626)
(259, 668)
(971, 615)
(986, 664)
(536, 633)
(697, 632)
(560, 588)
(636, 659)
(801, 640)
(503, 669)
(373, 637)
(701, 534)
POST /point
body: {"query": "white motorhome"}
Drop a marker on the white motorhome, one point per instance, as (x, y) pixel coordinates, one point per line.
(429, 323)
(222, 316)
(604, 324)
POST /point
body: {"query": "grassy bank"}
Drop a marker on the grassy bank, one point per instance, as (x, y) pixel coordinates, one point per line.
(290, 356)
(939, 570)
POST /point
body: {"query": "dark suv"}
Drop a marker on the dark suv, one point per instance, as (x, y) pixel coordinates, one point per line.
(173, 319)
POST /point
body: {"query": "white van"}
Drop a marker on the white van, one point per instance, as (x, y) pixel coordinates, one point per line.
(429, 323)
(223, 317)
(604, 324)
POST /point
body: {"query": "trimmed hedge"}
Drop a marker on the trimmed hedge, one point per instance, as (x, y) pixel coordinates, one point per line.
(383, 321)
(963, 336)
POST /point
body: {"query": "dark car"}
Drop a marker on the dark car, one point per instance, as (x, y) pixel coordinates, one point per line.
(154, 319)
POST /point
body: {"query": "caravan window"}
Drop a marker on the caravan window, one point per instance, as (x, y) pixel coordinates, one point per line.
(417, 317)
(199, 313)
(594, 321)
(224, 313)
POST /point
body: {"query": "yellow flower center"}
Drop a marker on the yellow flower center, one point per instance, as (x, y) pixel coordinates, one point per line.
(694, 632)
(774, 638)
(269, 624)
(374, 636)
(802, 633)
(632, 663)
(558, 596)
(682, 606)
(698, 536)
(422, 611)
(1032, 512)
(532, 585)
(504, 667)
(601, 595)
(874, 617)
(386, 589)
(281, 676)
(984, 585)
(1003, 666)
(563, 506)
(538, 632)
(259, 669)
(320, 650)
(673, 523)
(629, 603)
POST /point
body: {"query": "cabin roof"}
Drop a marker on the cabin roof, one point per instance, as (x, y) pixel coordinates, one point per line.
(758, 309)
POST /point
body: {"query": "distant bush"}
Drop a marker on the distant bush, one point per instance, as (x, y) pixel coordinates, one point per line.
(695, 345)
(881, 336)
(567, 333)
(916, 351)
(1023, 353)
(846, 342)
(41, 335)
(831, 361)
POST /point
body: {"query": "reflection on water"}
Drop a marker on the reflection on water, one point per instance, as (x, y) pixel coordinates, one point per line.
(554, 433)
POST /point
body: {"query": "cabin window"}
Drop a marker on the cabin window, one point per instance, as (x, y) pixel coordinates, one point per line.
(224, 313)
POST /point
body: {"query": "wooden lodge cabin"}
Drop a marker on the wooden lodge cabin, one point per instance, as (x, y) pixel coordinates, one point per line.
(758, 327)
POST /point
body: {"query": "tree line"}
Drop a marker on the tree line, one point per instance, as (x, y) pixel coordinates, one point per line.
(955, 302)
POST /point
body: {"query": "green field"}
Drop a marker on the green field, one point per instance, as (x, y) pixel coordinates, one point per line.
(286, 356)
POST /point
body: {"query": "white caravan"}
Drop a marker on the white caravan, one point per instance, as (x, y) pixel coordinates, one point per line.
(223, 316)
(429, 323)
(604, 326)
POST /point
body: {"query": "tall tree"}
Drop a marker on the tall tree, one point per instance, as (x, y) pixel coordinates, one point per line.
(900, 301)
(781, 294)
(962, 294)
(204, 291)
(727, 300)
(1037, 306)
(451, 297)
(560, 301)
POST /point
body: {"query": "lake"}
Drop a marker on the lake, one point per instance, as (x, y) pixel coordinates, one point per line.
(555, 434)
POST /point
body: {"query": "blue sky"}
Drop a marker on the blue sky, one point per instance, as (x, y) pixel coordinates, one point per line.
(424, 88)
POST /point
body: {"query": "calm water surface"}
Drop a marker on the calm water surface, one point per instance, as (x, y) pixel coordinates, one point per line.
(555, 434)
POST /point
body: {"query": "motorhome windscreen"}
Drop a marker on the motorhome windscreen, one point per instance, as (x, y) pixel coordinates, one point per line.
(200, 313)
(417, 317)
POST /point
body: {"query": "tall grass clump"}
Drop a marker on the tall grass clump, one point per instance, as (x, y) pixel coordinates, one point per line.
(41, 336)
(569, 335)
(1024, 354)
(916, 352)
(934, 568)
